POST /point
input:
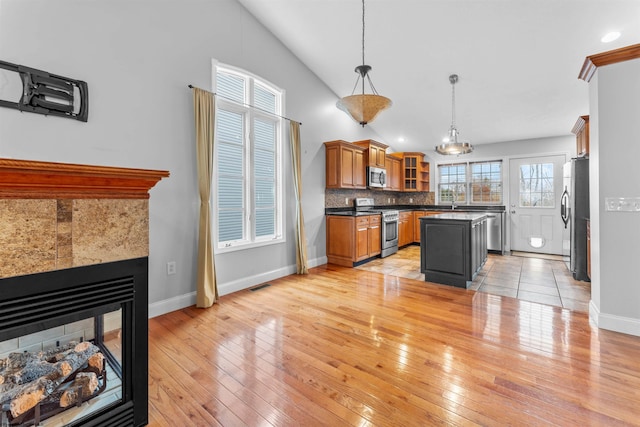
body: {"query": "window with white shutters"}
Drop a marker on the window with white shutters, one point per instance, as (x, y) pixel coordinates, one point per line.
(247, 175)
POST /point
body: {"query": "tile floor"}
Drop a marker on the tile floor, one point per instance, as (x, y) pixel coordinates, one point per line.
(546, 281)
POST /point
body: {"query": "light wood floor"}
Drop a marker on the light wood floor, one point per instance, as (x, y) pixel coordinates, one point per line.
(343, 346)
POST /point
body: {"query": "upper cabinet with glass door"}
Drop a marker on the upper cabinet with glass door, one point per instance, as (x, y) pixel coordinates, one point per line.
(415, 171)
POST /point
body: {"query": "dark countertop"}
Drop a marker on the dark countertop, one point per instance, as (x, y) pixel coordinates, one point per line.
(455, 216)
(443, 208)
(351, 213)
(463, 208)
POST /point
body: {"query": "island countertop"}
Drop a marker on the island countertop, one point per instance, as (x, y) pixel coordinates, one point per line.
(459, 216)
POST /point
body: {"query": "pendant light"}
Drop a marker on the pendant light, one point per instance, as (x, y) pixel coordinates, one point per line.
(451, 145)
(363, 108)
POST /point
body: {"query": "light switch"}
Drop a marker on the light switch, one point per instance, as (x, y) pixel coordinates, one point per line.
(622, 204)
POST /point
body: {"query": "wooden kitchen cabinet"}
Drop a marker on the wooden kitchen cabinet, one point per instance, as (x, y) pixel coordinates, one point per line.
(405, 228)
(351, 239)
(376, 152)
(581, 130)
(374, 233)
(393, 166)
(416, 222)
(415, 171)
(345, 165)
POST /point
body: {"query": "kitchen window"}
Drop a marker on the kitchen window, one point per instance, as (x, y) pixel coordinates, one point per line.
(470, 183)
(248, 186)
(452, 183)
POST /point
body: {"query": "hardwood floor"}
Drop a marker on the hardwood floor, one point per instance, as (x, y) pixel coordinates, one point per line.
(343, 346)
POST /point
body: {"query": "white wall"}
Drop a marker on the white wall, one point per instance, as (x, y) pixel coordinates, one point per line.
(138, 57)
(614, 101)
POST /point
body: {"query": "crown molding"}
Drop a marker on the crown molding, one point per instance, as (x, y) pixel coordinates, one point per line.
(591, 63)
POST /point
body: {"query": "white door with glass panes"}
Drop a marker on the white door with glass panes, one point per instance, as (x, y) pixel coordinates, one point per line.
(535, 188)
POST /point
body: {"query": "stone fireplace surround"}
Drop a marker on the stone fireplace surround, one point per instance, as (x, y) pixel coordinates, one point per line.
(57, 217)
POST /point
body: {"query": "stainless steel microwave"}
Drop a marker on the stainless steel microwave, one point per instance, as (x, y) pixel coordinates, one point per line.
(376, 177)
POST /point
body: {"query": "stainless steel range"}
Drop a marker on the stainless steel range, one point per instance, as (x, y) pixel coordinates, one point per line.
(389, 234)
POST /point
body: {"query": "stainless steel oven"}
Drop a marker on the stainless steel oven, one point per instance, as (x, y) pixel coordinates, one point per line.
(389, 232)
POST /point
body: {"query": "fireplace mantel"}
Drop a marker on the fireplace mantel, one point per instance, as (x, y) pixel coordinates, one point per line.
(27, 179)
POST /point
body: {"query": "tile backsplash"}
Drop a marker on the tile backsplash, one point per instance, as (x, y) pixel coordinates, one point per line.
(341, 198)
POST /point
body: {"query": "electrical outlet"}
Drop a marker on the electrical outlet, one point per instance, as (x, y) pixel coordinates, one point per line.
(389, 200)
(171, 268)
(410, 200)
(346, 200)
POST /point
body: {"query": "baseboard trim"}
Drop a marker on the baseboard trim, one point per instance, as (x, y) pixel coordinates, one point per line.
(187, 300)
(611, 322)
(171, 304)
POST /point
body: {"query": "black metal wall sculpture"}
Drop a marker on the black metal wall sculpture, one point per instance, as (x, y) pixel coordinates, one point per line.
(49, 94)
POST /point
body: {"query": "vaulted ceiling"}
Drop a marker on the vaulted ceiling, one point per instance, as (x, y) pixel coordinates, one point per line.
(517, 60)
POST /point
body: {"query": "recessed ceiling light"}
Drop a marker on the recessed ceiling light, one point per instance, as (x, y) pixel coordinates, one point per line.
(401, 139)
(609, 37)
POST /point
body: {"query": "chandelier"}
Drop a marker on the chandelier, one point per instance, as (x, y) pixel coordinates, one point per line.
(363, 108)
(451, 145)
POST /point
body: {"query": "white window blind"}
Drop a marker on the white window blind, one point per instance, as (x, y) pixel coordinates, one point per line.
(231, 187)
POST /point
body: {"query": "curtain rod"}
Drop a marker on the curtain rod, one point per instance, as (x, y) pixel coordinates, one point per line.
(248, 105)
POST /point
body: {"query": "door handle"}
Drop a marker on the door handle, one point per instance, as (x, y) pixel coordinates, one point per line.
(513, 211)
(564, 208)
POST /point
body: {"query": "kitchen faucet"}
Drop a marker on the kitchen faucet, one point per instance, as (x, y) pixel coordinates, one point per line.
(454, 197)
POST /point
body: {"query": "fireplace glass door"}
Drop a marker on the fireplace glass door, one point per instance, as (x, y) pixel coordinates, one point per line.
(61, 375)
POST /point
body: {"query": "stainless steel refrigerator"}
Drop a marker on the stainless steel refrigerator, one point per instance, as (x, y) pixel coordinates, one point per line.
(574, 210)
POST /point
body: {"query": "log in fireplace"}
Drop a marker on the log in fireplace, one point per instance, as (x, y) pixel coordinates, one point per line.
(45, 301)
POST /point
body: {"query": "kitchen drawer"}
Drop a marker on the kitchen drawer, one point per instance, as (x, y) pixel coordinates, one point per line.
(362, 222)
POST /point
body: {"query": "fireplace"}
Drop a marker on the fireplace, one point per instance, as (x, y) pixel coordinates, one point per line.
(46, 301)
(74, 245)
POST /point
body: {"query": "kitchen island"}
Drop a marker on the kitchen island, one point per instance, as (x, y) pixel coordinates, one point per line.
(453, 247)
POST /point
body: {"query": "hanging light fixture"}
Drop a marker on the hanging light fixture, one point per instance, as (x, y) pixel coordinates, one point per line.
(451, 145)
(363, 108)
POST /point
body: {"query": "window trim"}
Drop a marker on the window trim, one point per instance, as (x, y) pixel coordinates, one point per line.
(250, 113)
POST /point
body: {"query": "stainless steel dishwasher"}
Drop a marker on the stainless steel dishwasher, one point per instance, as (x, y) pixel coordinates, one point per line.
(495, 231)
